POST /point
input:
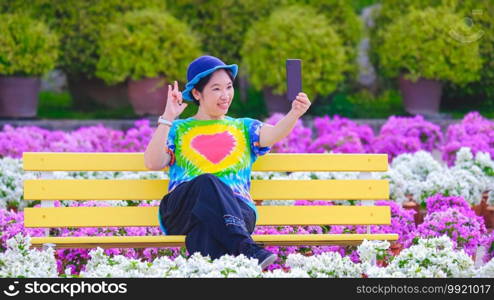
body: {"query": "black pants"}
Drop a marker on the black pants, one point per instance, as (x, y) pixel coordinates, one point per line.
(214, 220)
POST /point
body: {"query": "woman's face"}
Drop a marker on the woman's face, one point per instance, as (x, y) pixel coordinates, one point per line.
(217, 95)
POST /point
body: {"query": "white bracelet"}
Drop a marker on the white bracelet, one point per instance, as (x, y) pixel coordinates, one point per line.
(162, 120)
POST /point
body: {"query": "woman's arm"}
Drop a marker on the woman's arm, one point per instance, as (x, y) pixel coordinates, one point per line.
(270, 134)
(156, 156)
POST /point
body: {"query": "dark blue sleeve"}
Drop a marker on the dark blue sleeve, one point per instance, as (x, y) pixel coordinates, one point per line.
(254, 128)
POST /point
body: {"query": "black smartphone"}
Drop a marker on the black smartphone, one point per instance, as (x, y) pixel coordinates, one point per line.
(293, 78)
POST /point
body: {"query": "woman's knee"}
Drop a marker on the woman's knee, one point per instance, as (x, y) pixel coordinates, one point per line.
(212, 189)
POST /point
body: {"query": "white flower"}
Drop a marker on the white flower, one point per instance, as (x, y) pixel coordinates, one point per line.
(369, 250)
(408, 173)
(21, 261)
(196, 266)
(420, 164)
(486, 270)
(373, 271)
(464, 156)
(278, 202)
(11, 177)
(434, 258)
(293, 273)
(327, 265)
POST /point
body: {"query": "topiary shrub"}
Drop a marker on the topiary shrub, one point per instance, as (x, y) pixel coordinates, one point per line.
(145, 44)
(81, 29)
(290, 33)
(480, 17)
(388, 12)
(477, 14)
(419, 45)
(79, 25)
(345, 22)
(27, 47)
(222, 24)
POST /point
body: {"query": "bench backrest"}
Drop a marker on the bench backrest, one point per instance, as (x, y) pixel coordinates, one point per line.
(155, 189)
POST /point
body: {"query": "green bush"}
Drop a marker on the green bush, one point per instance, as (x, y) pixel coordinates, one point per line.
(78, 24)
(294, 32)
(82, 26)
(419, 45)
(359, 5)
(481, 18)
(145, 44)
(27, 46)
(391, 10)
(222, 24)
(468, 9)
(345, 22)
(41, 9)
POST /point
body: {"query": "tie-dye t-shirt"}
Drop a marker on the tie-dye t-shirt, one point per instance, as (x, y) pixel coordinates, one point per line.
(226, 148)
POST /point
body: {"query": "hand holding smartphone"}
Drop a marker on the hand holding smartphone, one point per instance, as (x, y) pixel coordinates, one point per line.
(293, 78)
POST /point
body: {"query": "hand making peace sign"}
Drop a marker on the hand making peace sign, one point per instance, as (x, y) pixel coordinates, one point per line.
(174, 103)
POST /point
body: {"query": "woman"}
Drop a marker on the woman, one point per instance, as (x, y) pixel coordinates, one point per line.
(210, 157)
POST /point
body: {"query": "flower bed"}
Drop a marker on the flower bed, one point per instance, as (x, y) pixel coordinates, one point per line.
(448, 191)
(397, 136)
(466, 234)
(426, 258)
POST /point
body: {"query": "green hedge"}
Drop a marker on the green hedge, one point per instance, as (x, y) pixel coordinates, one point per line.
(145, 44)
(27, 46)
(420, 45)
(290, 33)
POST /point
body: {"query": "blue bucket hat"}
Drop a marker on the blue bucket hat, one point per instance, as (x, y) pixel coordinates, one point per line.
(202, 67)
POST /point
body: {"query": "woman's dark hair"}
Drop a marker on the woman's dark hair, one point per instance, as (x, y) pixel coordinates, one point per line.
(202, 83)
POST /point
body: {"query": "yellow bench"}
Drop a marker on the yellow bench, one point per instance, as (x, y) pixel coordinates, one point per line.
(153, 189)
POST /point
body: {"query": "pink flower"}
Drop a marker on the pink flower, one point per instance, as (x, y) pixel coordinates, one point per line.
(474, 132)
(465, 229)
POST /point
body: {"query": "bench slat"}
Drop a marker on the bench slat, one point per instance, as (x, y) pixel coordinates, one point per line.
(179, 240)
(291, 162)
(155, 189)
(147, 216)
